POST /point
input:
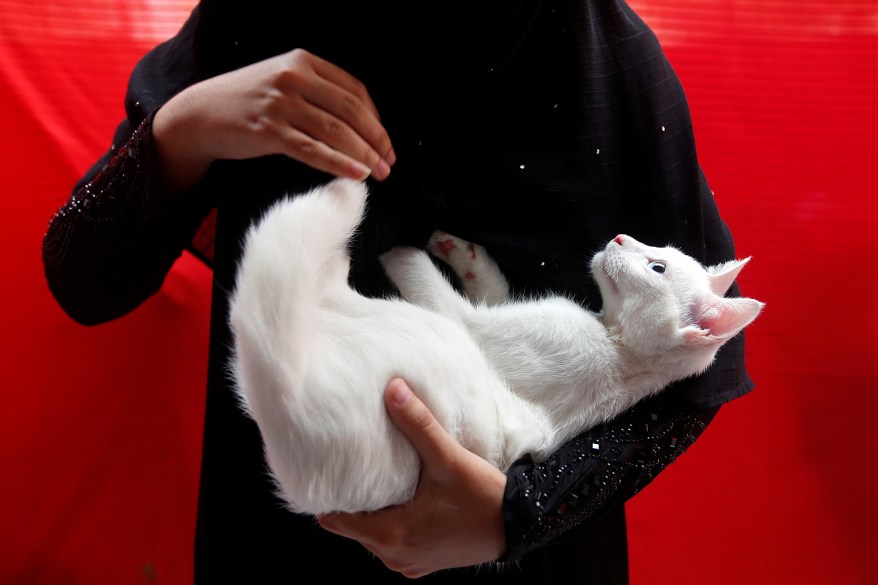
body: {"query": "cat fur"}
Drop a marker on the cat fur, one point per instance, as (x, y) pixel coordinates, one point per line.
(505, 377)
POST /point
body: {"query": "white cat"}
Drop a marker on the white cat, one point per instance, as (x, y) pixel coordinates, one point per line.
(312, 356)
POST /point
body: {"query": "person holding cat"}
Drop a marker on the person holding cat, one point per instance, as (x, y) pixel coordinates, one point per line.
(538, 130)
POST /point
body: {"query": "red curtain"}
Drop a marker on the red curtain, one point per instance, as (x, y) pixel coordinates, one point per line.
(100, 429)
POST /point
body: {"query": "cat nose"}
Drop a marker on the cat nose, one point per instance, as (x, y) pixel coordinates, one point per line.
(620, 239)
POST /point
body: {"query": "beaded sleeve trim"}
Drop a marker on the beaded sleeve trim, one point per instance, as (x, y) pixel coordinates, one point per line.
(593, 472)
(99, 200)
(111, 245)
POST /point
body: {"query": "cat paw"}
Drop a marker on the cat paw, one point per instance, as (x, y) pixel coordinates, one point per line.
(461, 255)
(480, 276)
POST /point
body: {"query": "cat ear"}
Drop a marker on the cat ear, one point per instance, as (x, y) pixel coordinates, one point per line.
(723, 275)
(720, 319)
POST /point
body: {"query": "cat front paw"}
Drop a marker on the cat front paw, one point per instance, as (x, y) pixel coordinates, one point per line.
(398, 258)
(418, 279)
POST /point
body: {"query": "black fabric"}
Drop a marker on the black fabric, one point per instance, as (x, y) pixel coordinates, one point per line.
(614, 461)
(537, 129)
(581, 132)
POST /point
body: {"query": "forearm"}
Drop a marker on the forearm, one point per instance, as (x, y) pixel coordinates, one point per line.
(596, 471)
(181, 158)
(110, 246)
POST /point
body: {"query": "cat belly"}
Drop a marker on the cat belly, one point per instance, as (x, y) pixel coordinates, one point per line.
(328, 439)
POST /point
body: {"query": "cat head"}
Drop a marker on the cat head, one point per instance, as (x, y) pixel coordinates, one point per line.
(661, 302)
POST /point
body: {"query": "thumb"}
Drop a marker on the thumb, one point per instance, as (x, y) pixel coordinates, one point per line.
(417, 423)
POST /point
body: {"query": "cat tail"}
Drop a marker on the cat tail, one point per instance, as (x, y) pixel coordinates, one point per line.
(295, 259)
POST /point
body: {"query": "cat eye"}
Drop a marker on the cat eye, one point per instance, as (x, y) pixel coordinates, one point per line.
(657, 267)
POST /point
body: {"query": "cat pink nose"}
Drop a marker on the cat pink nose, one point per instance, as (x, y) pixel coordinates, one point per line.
(620, 239)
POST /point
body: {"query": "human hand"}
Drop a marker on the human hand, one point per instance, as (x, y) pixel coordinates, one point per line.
(295, 104)
(456, 516)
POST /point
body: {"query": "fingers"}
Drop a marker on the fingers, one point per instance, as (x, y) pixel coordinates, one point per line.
(342, 78)
(317, 136)
(332, 107)
(294, 104)
(428, 437)
(321, 156)
(417, 423)
(455, 518)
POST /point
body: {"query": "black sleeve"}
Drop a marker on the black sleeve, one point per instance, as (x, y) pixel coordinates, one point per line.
(550, 501)
(110, 246)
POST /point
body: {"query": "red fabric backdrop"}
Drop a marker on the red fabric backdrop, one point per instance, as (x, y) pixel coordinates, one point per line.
(100, 427)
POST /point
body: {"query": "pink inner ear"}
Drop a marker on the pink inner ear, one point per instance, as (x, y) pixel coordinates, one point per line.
(695, 336)
(725, 317)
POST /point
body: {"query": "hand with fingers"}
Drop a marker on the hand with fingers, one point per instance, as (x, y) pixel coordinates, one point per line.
(455, 518)
(295, 104)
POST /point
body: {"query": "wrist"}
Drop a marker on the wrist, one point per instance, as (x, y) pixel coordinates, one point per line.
(182, 158)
